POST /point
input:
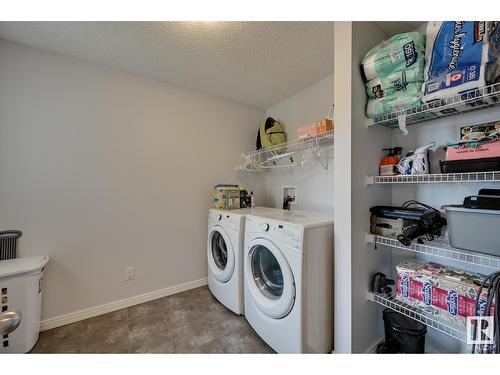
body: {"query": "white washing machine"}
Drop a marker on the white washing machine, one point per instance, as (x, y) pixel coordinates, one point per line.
(225, 255)
(288, 271)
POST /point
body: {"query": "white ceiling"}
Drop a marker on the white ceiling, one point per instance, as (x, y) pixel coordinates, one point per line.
(256, 63)
(397, 27)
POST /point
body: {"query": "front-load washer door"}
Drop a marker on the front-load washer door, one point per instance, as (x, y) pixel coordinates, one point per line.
(269, 279)
(220, 254)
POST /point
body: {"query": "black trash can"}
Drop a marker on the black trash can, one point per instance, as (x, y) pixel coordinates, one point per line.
(402, 334)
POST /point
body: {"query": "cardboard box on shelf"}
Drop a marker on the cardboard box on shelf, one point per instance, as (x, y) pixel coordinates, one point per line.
(487, 150)
(226, 197)
(315, 129)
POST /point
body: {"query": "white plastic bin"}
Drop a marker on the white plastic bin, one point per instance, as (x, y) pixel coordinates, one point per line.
(21, 285)
(473, 229)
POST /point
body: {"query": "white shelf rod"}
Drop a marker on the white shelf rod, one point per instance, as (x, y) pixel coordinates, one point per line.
(471, 177)
(419, 315)
(483, 97)
(441, 249)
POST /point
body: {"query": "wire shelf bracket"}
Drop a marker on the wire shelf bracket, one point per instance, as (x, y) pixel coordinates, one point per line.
(439, 248)
(310, 150)
(483, 97)
(470, 177)
(419, 315)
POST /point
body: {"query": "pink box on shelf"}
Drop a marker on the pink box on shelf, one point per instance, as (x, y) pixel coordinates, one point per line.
(488, 150)
(315, 129)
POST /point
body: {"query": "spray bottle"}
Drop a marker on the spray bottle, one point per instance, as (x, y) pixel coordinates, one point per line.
(388, 165)
(416, 162)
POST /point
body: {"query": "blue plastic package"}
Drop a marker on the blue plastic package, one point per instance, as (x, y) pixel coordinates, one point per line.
(456, 56)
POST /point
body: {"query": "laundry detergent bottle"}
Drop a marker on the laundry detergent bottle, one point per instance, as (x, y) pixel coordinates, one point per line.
(388, 165)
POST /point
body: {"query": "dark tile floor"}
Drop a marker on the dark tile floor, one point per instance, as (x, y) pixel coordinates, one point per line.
(188, 322)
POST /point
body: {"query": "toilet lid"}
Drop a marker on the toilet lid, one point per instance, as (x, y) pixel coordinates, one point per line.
(22, 265)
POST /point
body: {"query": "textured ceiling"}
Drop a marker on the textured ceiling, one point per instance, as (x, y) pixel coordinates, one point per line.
(256, 63)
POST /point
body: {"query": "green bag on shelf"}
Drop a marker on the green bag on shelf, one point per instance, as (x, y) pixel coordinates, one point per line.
(387, 104)
(397, 53)
(397, 81)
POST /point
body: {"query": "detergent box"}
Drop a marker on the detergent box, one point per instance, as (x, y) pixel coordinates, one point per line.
(445, 292)
(226, 197)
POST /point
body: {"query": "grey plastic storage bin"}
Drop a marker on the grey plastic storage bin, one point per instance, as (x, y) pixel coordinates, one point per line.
(473, 229)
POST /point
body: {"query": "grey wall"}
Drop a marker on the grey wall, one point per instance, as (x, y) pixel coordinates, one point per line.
(101, 170)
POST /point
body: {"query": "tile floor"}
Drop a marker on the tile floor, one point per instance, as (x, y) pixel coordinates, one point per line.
(188, 322)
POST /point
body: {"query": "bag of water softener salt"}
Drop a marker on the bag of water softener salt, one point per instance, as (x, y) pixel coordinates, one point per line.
(397, 53)
(397, 81)
(456, 56)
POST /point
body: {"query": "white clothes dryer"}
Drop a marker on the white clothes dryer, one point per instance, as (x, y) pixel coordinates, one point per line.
(288, 271)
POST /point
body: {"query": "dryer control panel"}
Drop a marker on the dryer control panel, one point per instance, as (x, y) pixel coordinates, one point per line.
(292, 235)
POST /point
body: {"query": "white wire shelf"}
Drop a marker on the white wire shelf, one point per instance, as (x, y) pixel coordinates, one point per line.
(420, 315)
(435, 178)
(483, 97)
(439, 248)
(306, 150)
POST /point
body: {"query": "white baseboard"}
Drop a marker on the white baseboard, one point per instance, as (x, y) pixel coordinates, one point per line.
(91, 312)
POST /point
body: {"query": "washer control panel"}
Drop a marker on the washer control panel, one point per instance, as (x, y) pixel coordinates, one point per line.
(290, 234)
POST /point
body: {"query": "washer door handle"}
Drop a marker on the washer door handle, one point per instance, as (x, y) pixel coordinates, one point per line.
(9, 321)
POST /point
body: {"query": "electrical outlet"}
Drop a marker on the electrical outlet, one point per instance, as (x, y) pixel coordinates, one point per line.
(129, 273)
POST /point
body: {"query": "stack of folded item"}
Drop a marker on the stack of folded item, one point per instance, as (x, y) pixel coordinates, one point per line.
(393, 72)
(461, 56)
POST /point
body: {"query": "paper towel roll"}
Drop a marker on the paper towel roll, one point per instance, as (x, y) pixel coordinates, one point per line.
(456, 56)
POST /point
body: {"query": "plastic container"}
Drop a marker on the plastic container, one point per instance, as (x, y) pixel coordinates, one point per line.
(470, 165)
(402, 334)
(473, 229)
(21, 286)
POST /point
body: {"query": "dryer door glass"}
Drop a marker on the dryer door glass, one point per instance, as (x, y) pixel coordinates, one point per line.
(267, 272)
(219, 250)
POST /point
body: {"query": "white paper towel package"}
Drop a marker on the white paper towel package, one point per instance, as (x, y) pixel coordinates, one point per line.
(456, 56)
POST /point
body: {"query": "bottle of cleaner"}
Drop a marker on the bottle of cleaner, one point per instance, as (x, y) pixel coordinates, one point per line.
(243, 197)
(388, 165)
(252, 199)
